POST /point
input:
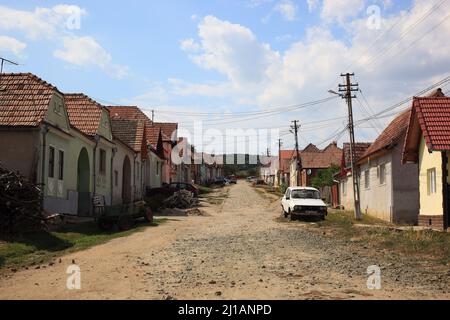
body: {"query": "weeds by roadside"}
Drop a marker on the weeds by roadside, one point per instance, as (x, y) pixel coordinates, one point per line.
(381, 235)
(41, 247)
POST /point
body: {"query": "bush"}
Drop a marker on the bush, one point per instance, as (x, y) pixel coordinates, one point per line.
(283, 187)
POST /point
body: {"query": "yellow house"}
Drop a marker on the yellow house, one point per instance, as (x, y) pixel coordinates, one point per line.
(428, 144)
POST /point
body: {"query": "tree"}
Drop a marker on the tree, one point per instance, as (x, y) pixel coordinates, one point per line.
(325, 177)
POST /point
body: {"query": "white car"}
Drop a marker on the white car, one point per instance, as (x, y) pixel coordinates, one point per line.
(303, 202)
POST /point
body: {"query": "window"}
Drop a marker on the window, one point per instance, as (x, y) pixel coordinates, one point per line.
(382, 174)
(58, 107)
(102, 167)
(51, 162)
(61, 165)
(116, 178)
(157, 168)
(367, 179)
(431, 181)
(344, 187)
(305, 194)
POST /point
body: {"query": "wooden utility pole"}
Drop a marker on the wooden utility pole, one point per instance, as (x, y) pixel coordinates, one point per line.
(280, 143)
(295, 127)
(346, 90)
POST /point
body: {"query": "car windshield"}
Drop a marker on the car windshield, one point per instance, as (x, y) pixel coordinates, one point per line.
(305, 194)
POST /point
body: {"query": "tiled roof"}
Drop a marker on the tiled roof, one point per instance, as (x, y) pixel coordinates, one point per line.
(168, 129)
(152, 134)
(286, 156)
(394, 131)
(311, 148)
(434, 119)
(24, 99)
(84, 113)
(315, 160)
(130, 132)
(360, 150)
(134, 113)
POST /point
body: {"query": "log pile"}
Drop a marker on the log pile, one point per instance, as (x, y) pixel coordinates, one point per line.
(20, 204)
(182, 199)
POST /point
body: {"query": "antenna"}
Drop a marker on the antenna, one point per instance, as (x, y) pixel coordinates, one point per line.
(7, 61)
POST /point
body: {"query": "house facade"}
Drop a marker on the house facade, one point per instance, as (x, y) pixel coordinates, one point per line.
(42, 138)
(428, 146)
(170, 139)
(388, 189)
(344, 178)
(311, 161)
(154, 160)
(91, 151)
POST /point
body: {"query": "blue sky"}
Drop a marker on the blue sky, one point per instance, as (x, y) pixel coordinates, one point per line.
(229, 56)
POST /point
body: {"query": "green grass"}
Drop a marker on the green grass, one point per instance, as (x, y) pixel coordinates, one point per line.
(425, 244)
(41, 247)
(205, 190)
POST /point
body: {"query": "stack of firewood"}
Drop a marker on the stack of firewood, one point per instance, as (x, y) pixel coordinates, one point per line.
(182, 200)
(20, 204)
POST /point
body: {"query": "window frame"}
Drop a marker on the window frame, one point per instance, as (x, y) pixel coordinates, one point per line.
(367, 179)
(61, 164)
(380, 175)
(51, 162)
(432, 181)
(102, 162)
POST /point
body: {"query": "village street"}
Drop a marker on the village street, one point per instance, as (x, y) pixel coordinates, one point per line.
(242, 250)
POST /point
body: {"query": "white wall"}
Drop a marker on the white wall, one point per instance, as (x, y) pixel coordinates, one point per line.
(377, 199)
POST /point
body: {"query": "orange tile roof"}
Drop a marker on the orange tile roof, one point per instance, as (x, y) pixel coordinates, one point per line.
(130, 132)
(311, 148)
(84, 113)
(434, 119)
(390, 136)
(24, 99)
(134, 113)
(360, 149)
(168, 129)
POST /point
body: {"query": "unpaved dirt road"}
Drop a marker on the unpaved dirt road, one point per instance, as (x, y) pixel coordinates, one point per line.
(243, 250)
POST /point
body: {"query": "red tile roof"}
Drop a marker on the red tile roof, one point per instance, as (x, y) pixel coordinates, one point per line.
(311, 148)
(24, 99)
(84, 113)
(434, 119)
(168, 129)
(286, 156)
(130, 132)
(320, 160)
(390, 136)
(134, 113)
(360, 149)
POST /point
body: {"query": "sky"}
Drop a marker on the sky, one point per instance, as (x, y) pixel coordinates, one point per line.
(242, 64)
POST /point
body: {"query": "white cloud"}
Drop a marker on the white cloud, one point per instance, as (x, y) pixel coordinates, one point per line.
(56, 24)
(341, 10)
(42, 22)
(8, 44)
(234, 51)
(312, 4)
(86, 51)
(257, 3)
(257, 75)
(287, 9)
(189, 45)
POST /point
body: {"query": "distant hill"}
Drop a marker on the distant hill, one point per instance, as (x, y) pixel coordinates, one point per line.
(244, 165)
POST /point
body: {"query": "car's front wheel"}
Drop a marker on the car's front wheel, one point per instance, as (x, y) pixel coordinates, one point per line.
(291, 216)
(285, 214)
